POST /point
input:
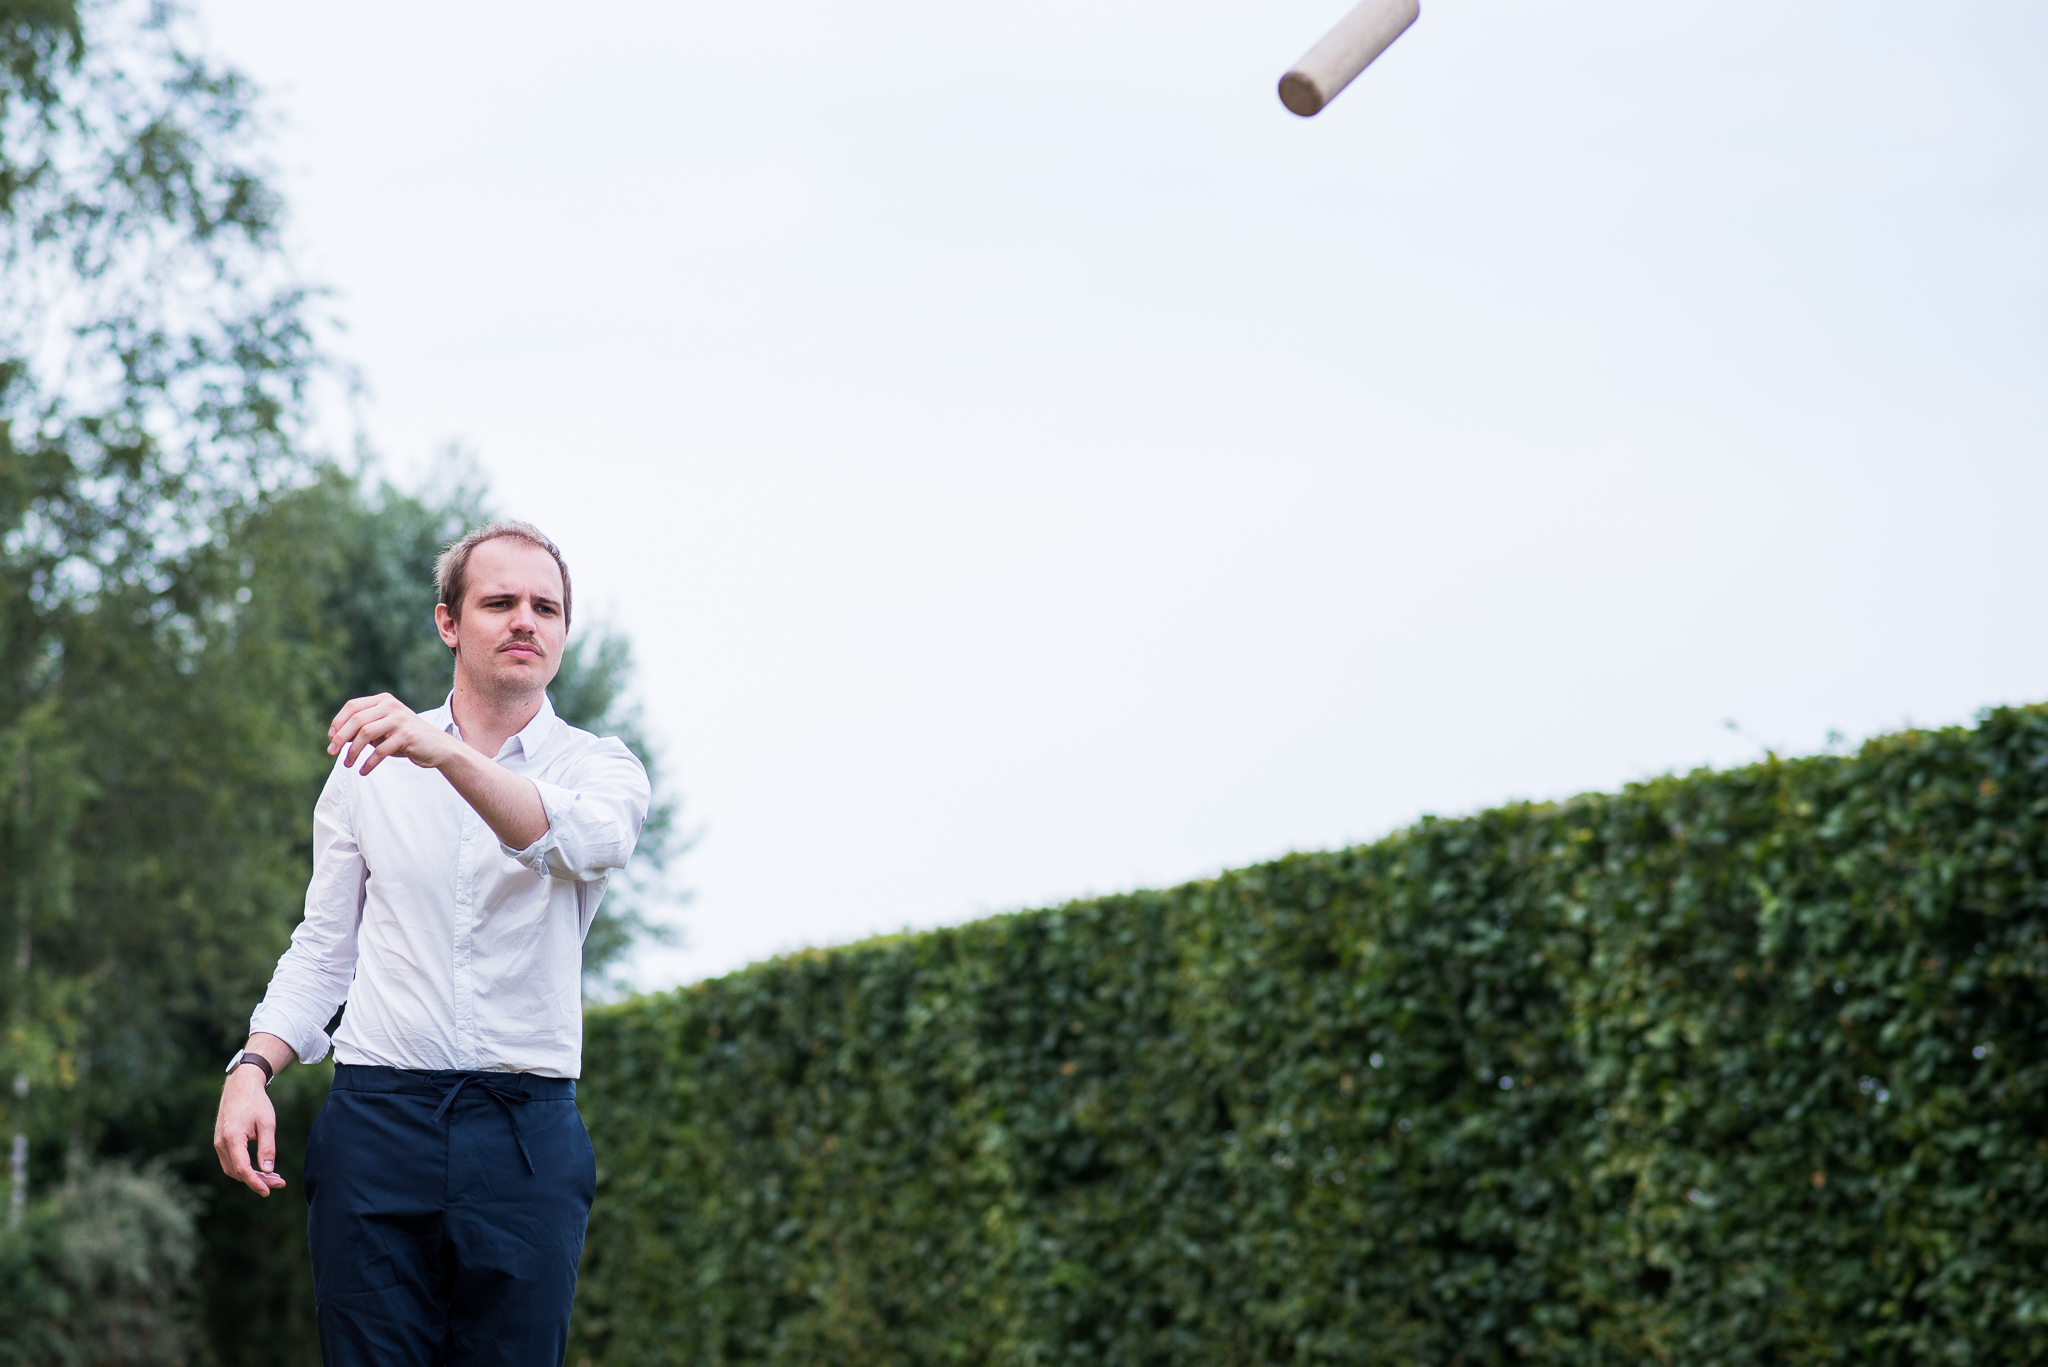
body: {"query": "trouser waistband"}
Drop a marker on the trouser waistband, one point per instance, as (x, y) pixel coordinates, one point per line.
(368, 1077)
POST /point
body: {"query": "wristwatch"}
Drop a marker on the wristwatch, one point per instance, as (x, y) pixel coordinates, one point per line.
(251, 1056)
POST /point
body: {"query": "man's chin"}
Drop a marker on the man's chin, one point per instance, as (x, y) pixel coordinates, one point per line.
(515, 674)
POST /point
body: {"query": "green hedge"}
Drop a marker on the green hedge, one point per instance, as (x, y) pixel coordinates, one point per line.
(1735, 1067)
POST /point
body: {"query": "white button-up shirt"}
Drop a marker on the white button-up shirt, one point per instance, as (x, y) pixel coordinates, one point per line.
(452, 949)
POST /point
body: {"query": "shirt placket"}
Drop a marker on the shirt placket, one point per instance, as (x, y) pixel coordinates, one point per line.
(465, 943)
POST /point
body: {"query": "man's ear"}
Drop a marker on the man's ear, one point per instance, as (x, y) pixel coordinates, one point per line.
(444, 621)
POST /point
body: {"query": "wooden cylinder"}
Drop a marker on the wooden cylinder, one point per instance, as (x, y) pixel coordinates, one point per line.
(1345, 51)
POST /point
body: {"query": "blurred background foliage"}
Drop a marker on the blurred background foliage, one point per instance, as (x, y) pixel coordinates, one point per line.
(188, 590)
(1734, 1068)
(98, 1272)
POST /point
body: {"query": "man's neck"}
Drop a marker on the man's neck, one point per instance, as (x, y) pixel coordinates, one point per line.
(488, 720)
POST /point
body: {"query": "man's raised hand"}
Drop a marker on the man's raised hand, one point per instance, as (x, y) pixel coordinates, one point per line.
(382, 727)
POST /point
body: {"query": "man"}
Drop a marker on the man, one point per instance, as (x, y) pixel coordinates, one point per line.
(449, 1176)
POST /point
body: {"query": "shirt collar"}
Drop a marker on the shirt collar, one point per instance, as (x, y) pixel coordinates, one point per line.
(531, 738)
(534, 736)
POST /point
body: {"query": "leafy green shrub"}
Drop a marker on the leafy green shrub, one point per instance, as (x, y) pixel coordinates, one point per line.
(98, 1273)
(1737, 1067)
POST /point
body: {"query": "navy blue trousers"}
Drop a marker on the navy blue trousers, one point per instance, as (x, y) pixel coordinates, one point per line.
(447, 1217)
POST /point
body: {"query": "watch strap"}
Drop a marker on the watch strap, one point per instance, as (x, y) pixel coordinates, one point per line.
(251, 1056)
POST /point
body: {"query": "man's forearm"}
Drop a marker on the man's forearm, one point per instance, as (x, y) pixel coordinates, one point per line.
(510, 805)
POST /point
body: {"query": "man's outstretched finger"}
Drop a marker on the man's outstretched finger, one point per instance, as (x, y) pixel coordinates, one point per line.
(234, 1159)
(266, 1143)
(350, 720)
(369, 746)
(351, 732)
(343, 720)
(358, 736)
(262, 1183)
(384, 748)
(354, 705)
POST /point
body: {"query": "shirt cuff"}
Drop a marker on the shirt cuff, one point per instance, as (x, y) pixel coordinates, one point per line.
(310, 1048)
(556, 802)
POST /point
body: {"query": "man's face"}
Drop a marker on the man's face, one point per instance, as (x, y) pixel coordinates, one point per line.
(510, 635)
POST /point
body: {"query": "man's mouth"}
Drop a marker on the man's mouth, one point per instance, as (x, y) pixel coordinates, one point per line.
(526, 648)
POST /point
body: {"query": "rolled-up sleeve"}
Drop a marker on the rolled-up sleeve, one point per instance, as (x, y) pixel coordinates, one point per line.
(594, 817)
(313, 977)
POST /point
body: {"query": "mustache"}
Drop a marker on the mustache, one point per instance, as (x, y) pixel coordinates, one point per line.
(529, 642)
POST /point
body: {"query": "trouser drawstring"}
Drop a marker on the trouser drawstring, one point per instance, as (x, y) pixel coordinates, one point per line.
(505, 1094)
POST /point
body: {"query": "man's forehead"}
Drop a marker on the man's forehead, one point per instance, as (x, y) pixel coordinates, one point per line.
(505, 564)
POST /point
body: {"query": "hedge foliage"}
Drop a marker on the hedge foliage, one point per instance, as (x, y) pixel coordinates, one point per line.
(1737, 1067)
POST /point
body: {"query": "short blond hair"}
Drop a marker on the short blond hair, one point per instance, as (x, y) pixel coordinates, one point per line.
(451, 571)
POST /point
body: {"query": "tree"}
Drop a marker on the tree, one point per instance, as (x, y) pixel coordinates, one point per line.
(152, 361)
(187, 591)
(154, 356)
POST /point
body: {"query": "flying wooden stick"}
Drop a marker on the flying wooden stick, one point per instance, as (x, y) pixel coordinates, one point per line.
(1345, 51)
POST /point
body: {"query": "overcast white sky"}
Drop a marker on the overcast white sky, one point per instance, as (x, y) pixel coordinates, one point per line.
(1031, 463)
